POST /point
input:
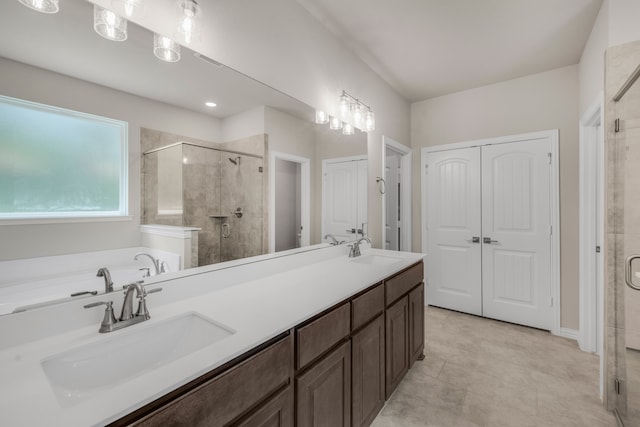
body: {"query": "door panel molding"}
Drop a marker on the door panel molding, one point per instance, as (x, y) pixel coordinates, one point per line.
(552, 136)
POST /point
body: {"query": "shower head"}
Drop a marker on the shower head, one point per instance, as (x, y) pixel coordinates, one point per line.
(235, 161)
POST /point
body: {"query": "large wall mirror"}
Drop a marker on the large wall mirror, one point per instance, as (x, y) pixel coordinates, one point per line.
(248, 172)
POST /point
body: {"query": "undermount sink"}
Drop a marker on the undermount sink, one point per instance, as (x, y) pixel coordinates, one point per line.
(78, 373)
(376, 259)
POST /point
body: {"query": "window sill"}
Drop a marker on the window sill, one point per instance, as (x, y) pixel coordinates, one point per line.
(68, 220)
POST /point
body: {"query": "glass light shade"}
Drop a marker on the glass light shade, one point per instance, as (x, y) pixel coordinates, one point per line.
(109, 25)
(322, 117)
(130, 7)
(369, 121)
(166, 49)
(357, 116)
(189, 15)
(335, 123)
(44, 6)
(347, 129)
(344, 106)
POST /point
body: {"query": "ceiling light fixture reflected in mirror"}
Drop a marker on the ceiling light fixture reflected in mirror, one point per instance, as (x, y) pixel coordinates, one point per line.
(109, 25)
(335, 123)
(347, 129)
(130, 7)
(189, 15)
(210, 104)
(322, 118)
(44, 6)
(165, 49)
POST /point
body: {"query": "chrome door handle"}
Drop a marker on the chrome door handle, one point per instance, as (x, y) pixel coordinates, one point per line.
(628, 272)
(488, 240)
(474, 239)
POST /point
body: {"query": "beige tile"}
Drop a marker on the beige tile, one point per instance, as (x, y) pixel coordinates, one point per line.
(481, 372)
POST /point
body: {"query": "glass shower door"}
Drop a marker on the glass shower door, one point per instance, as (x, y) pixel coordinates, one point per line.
(627, 295)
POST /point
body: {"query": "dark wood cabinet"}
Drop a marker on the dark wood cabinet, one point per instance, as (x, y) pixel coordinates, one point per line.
(323, 392)
(397, 344)
(228, 396)
(275, 412)
(368, 372)
(416, 324)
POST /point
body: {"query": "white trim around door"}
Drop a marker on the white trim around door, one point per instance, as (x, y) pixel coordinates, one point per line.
(405, 196)
(305, 195)
(591, 333)
(554, 249)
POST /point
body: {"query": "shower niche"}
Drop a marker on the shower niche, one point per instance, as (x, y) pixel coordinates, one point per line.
(215, 187)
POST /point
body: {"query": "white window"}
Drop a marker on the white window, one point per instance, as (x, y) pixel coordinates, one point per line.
(58, 163)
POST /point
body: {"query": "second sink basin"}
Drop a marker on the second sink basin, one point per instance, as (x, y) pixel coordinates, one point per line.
(376, 259)
(78, 373)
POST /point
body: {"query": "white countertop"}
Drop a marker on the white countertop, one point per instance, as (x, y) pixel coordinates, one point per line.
(257, 309)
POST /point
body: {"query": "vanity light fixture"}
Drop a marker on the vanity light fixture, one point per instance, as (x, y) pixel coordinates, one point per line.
(335, 123)
(189, 15)
(352, 113)
(165, 49)
(44, 6)
(210, 104)
(130, 7)
(109, 25)
(322, 118)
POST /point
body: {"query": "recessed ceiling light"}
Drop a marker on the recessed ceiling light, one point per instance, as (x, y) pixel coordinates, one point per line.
(210, 104)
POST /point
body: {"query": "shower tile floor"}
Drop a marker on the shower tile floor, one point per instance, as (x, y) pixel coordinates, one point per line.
(482, 372)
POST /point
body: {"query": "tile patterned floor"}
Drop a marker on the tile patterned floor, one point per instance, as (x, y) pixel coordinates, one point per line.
(481, 372)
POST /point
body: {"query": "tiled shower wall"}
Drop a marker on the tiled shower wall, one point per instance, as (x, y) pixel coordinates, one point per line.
(212, 188)
(622, 164)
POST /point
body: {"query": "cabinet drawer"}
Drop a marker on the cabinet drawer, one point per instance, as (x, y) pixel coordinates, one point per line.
(403, 282)
(322, 334)
(367, 306)
(229, 395)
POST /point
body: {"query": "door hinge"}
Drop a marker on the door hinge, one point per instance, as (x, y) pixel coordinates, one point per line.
(617, 125)
(260, 169)
(551, 230)
(597, 249)
(426, 169)
(617, 385)
(549, 154)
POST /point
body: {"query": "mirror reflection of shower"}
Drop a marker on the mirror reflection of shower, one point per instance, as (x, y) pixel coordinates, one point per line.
(235, 160)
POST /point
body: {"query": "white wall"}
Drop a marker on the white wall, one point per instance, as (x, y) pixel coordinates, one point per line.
(287, 203)
(624, 21)
(279, 43)
(591, 67)
(37, 85)
(243, 125)
(538, 102)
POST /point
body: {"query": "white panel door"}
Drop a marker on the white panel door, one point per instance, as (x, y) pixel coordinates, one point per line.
(344, 198)
(453, 221)
(516, 261)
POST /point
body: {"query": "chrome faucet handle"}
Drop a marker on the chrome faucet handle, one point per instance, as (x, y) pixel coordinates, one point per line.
(147, 273)
(142, 304)
(109, 319)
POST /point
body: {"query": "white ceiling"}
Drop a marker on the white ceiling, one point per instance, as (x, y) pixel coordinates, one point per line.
(428, 48)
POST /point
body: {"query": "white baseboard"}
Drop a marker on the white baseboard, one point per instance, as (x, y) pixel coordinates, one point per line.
(568, 333)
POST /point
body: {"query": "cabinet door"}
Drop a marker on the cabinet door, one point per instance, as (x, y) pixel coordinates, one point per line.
(416, 324)
(276, 412)
(368, 372)
(324, 391)
(397, 344)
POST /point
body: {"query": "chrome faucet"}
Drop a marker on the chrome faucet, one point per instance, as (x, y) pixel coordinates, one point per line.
(333, 239)
(127, 318)
(355, 248)
(108, 283)
(154, 261)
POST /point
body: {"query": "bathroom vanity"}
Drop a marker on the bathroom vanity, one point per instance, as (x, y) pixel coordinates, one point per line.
(322, 341)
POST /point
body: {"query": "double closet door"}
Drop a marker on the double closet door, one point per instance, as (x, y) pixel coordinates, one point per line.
(489, 231)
